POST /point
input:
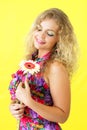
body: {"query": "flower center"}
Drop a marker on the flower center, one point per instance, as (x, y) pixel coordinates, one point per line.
(29, 65)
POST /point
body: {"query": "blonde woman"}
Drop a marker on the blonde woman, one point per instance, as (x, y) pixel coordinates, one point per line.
(45, 98)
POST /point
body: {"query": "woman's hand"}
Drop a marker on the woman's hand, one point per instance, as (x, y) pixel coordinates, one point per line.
(23, 93)
(17, 110)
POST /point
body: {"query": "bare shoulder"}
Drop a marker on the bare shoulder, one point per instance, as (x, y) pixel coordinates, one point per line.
(57, 68)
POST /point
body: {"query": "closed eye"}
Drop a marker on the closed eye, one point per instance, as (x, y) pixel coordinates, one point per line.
(51, 33)
(48, 31)
(39, 28)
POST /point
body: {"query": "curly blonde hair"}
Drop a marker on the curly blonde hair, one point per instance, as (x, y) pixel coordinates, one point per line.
(66, 48)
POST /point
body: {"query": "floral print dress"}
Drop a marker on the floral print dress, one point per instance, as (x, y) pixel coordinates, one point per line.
(40, 92)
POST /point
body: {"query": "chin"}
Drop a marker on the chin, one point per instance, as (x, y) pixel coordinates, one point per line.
(36, 46)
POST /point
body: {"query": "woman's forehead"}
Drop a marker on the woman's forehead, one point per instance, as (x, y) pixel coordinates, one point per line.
(49, 23)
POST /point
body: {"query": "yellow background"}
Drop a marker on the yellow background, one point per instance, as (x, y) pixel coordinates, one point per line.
(16, 17)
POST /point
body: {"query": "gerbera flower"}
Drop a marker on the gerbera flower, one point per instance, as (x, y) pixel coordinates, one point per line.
(29, 66)
(26, 68)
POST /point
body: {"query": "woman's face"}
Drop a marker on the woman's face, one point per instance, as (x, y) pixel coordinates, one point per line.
(46, 35)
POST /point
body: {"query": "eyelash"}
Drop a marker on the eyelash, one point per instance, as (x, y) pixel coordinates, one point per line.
(50, 35)
(38, 29)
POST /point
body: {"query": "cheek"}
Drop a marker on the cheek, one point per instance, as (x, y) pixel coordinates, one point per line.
(34, 36)
(35, 33)
(53, 41)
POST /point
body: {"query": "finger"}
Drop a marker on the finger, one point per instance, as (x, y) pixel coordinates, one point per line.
(17, 112)
(20, 85)
(18, 116)
(16, 106)
(26, 84)
(19, 91)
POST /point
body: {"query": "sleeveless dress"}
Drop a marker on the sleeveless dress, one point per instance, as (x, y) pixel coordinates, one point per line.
(40, 92)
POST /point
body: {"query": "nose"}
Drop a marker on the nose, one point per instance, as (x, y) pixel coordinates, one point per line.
(42, 34)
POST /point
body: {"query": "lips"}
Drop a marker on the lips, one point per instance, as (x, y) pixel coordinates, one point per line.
(39, 41)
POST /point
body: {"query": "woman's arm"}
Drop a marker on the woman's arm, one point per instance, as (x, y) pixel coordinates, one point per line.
(60, 91)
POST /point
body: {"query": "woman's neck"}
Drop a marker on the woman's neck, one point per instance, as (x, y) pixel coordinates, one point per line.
(42, 53)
